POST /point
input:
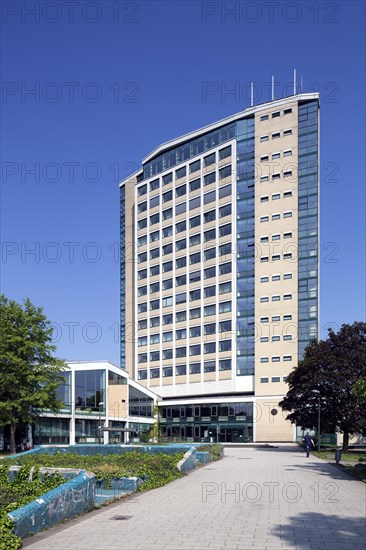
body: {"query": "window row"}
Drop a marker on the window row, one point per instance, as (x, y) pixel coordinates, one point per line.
(276, 114)
(194, 331)
(276, 155)
(265, 379)
(195, 258)
(180, 299)
(193, 295)
(195, 349)
(208, 272)
(276, 338)
(276, 257)
(274, 298)
(276, 216)
(276, 196)
(182, 244)
(276, 358)
(181, 370)
(276, 135)
(276, 277)
(276, 237)
(276, 176)
(276, 318)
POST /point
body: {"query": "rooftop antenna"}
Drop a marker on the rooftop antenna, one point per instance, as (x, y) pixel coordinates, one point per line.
(272, 87)
(301, 85)
(295, 82)
(251, 94)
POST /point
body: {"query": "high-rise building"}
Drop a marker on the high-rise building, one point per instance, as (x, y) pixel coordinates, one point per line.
(220, 270)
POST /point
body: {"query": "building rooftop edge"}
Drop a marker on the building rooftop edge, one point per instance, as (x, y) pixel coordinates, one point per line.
(204, 129)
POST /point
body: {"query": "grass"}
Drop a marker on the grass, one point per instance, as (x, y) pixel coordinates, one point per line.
(347, 463)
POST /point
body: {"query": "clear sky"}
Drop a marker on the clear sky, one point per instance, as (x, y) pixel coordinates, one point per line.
(111, 81)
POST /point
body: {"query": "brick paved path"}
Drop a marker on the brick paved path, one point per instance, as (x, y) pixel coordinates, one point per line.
(265, 499)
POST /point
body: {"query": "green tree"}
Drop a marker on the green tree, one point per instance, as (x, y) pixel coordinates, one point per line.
(327, 375)
(359, 391)
(30, 374)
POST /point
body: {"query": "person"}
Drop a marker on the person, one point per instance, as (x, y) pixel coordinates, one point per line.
(308, 444)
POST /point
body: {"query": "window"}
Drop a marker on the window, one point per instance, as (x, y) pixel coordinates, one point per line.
(287, 132)
(142, 190)
(276, 155)
(287, 256)
(225, 326)
(154, 373)
(167, 336)
(194, 368)
(168, 319)
(167, 266)
(276, 298)
(224, 307)
(287, 296)
(225, 230)
(195, 332)
(209, 366)
(180, 370)
(195, 221)
(264, 380)
(287, 317)
(180, 173)
(194, 166)
(264, 239)
(194, 276)
(264, 359)
(265, 158)
(181, 334)
(142, 358)
(180, 245)
(180, 191)
(275, 358)
(287, 153)
(167, 283)
(276, 135)
(154, 185)
(181, 262)
(154, 236)
(276, 338)
(287, 276)
(168, 178)
(181, 316)
(224, 191)
(209, 197)
(276, 257)
(264, 117)
(210, 291)
(195, 313)
(195, 295)
(167, 371)
(167, 214)
(168, 231)
(276, 379)
(195, 203)
(154, 287)
(154, 322)
(180, 208)
(264, 279)
(194, 184)
(142, 207)
(276, 216)
(264, 138)
(142, 341)
(155, 356)
(225, 153)
(264, 259)
(264, 219)
(276, 196)
(276, 176)
(264, 339)
(264, 178)
(181, 352)
(287, 194)
(287, 214)
(225, 172)
(276, 318)
(210, 159)
(181, 280)
(264, 319)
(209, 235)
(224, 288)
(142, 374)
(276, 114)
(287, 111)
(287, 173)
(209, 178)
(209, 272)
(209, 216)
(154, 201)
(142, 324)
(287, 235)
(210, 347)
(264, 299)
(209, 253)
(276, 277)
(154, 219)
(225, 345)
(142, 291)
(154, 304)
(142, 257)
(225, 268)
(155, 339)
(287, 357)
(194, 258)
(142, 223)
(181, 298)
(225, 364)
(210, 329)
(287, 337)
(142, 240)
(142, 308)
(209, 310)
(154, 253)
(195, 349)
(264, 198)
(180, 226)
(166, 302)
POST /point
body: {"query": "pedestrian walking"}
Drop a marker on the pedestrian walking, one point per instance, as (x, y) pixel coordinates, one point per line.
(308, 444)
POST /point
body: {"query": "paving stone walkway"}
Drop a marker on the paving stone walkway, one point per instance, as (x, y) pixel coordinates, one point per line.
(265, 499)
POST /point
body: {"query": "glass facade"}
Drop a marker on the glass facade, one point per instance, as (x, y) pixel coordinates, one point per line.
(140, 404)
(245, 247)
(122, 277)
(224, 422)
(308, 224)
(86, 431)
(51, 431)
(89, 391)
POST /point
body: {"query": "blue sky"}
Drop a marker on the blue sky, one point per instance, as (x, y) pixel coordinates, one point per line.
(113, 80)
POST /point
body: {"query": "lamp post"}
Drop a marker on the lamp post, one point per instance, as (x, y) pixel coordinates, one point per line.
(100, 422)
(317, 392)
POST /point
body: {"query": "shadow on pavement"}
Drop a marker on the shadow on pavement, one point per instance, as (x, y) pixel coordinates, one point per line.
(321, 468)
(319, 531)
